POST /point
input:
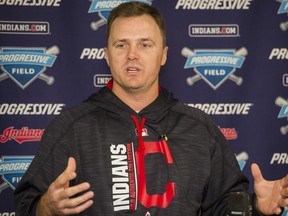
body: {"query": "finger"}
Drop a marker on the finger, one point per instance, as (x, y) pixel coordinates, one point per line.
(284, 181)
(277, 211)
(283, 202)
(71, 166)
(74, 202)
(284, 192)
(71, 191)
(256, 172)
(78, 209)
(67, 175)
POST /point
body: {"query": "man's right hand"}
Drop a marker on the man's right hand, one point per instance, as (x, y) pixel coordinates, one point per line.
(57, 201)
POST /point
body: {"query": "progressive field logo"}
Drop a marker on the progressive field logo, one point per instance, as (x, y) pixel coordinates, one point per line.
(214, 66)
(24, 65)
(103, 8)
(12, 168)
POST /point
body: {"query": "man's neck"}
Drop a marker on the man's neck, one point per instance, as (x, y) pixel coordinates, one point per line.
(135, 99)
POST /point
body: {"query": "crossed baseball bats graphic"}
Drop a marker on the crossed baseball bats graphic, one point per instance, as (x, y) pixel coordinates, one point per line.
(186, 52)
(54, 50)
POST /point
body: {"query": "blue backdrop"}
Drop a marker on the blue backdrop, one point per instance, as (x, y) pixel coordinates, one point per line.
(228, 58)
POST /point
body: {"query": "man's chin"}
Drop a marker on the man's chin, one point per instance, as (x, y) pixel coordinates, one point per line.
(133, 85)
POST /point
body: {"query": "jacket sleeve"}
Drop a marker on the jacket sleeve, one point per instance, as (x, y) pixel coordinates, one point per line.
(51, 158)
(49, 162)
(225, 174)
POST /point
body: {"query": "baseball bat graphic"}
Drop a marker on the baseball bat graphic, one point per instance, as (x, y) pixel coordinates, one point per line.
(284, 130)
(191, 80)
(3, 76)
(95, 25)
(284, 26)
(3, 186)
(186, 52)
(243, 156)
(238, 80)
(54, 50)
(280, 101)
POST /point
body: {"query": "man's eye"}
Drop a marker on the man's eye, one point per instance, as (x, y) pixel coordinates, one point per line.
(120, 45)
(146, 45)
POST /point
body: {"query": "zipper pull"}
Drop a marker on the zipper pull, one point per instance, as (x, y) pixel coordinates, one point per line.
(164, 137)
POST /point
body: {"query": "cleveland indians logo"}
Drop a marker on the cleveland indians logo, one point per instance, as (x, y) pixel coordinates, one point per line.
(24, 65)
(148, 200)
(214, 66)
(129, 181)
(103, 8)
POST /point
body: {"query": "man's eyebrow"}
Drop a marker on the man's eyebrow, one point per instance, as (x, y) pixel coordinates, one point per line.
(119, 40)
(124, 40)
(146, 39)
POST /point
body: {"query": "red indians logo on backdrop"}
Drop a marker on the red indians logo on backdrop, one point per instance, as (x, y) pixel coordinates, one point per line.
(21, 135)
(229, 133)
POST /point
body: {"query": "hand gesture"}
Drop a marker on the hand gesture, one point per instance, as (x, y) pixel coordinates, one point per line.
(271, 195)
(60, 199)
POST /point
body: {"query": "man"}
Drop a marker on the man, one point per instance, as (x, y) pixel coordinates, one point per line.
(132, 149)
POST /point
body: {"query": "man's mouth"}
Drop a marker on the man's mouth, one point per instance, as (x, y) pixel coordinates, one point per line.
(132, 69)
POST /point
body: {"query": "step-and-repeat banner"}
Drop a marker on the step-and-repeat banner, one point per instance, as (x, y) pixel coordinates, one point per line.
(226, 57)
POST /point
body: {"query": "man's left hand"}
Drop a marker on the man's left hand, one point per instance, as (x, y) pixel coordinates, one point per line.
(272, 196)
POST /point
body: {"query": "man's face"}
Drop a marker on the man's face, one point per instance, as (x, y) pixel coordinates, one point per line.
(135, 54)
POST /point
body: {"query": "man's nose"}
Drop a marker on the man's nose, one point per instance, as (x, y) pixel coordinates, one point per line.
(133, 53)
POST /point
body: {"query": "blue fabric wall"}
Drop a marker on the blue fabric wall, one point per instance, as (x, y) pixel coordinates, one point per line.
(229, 58)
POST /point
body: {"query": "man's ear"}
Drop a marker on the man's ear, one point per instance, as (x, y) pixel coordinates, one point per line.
(106, 55)
(164, 56)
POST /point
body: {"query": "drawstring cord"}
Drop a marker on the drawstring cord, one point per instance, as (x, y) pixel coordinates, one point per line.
(139, 130)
